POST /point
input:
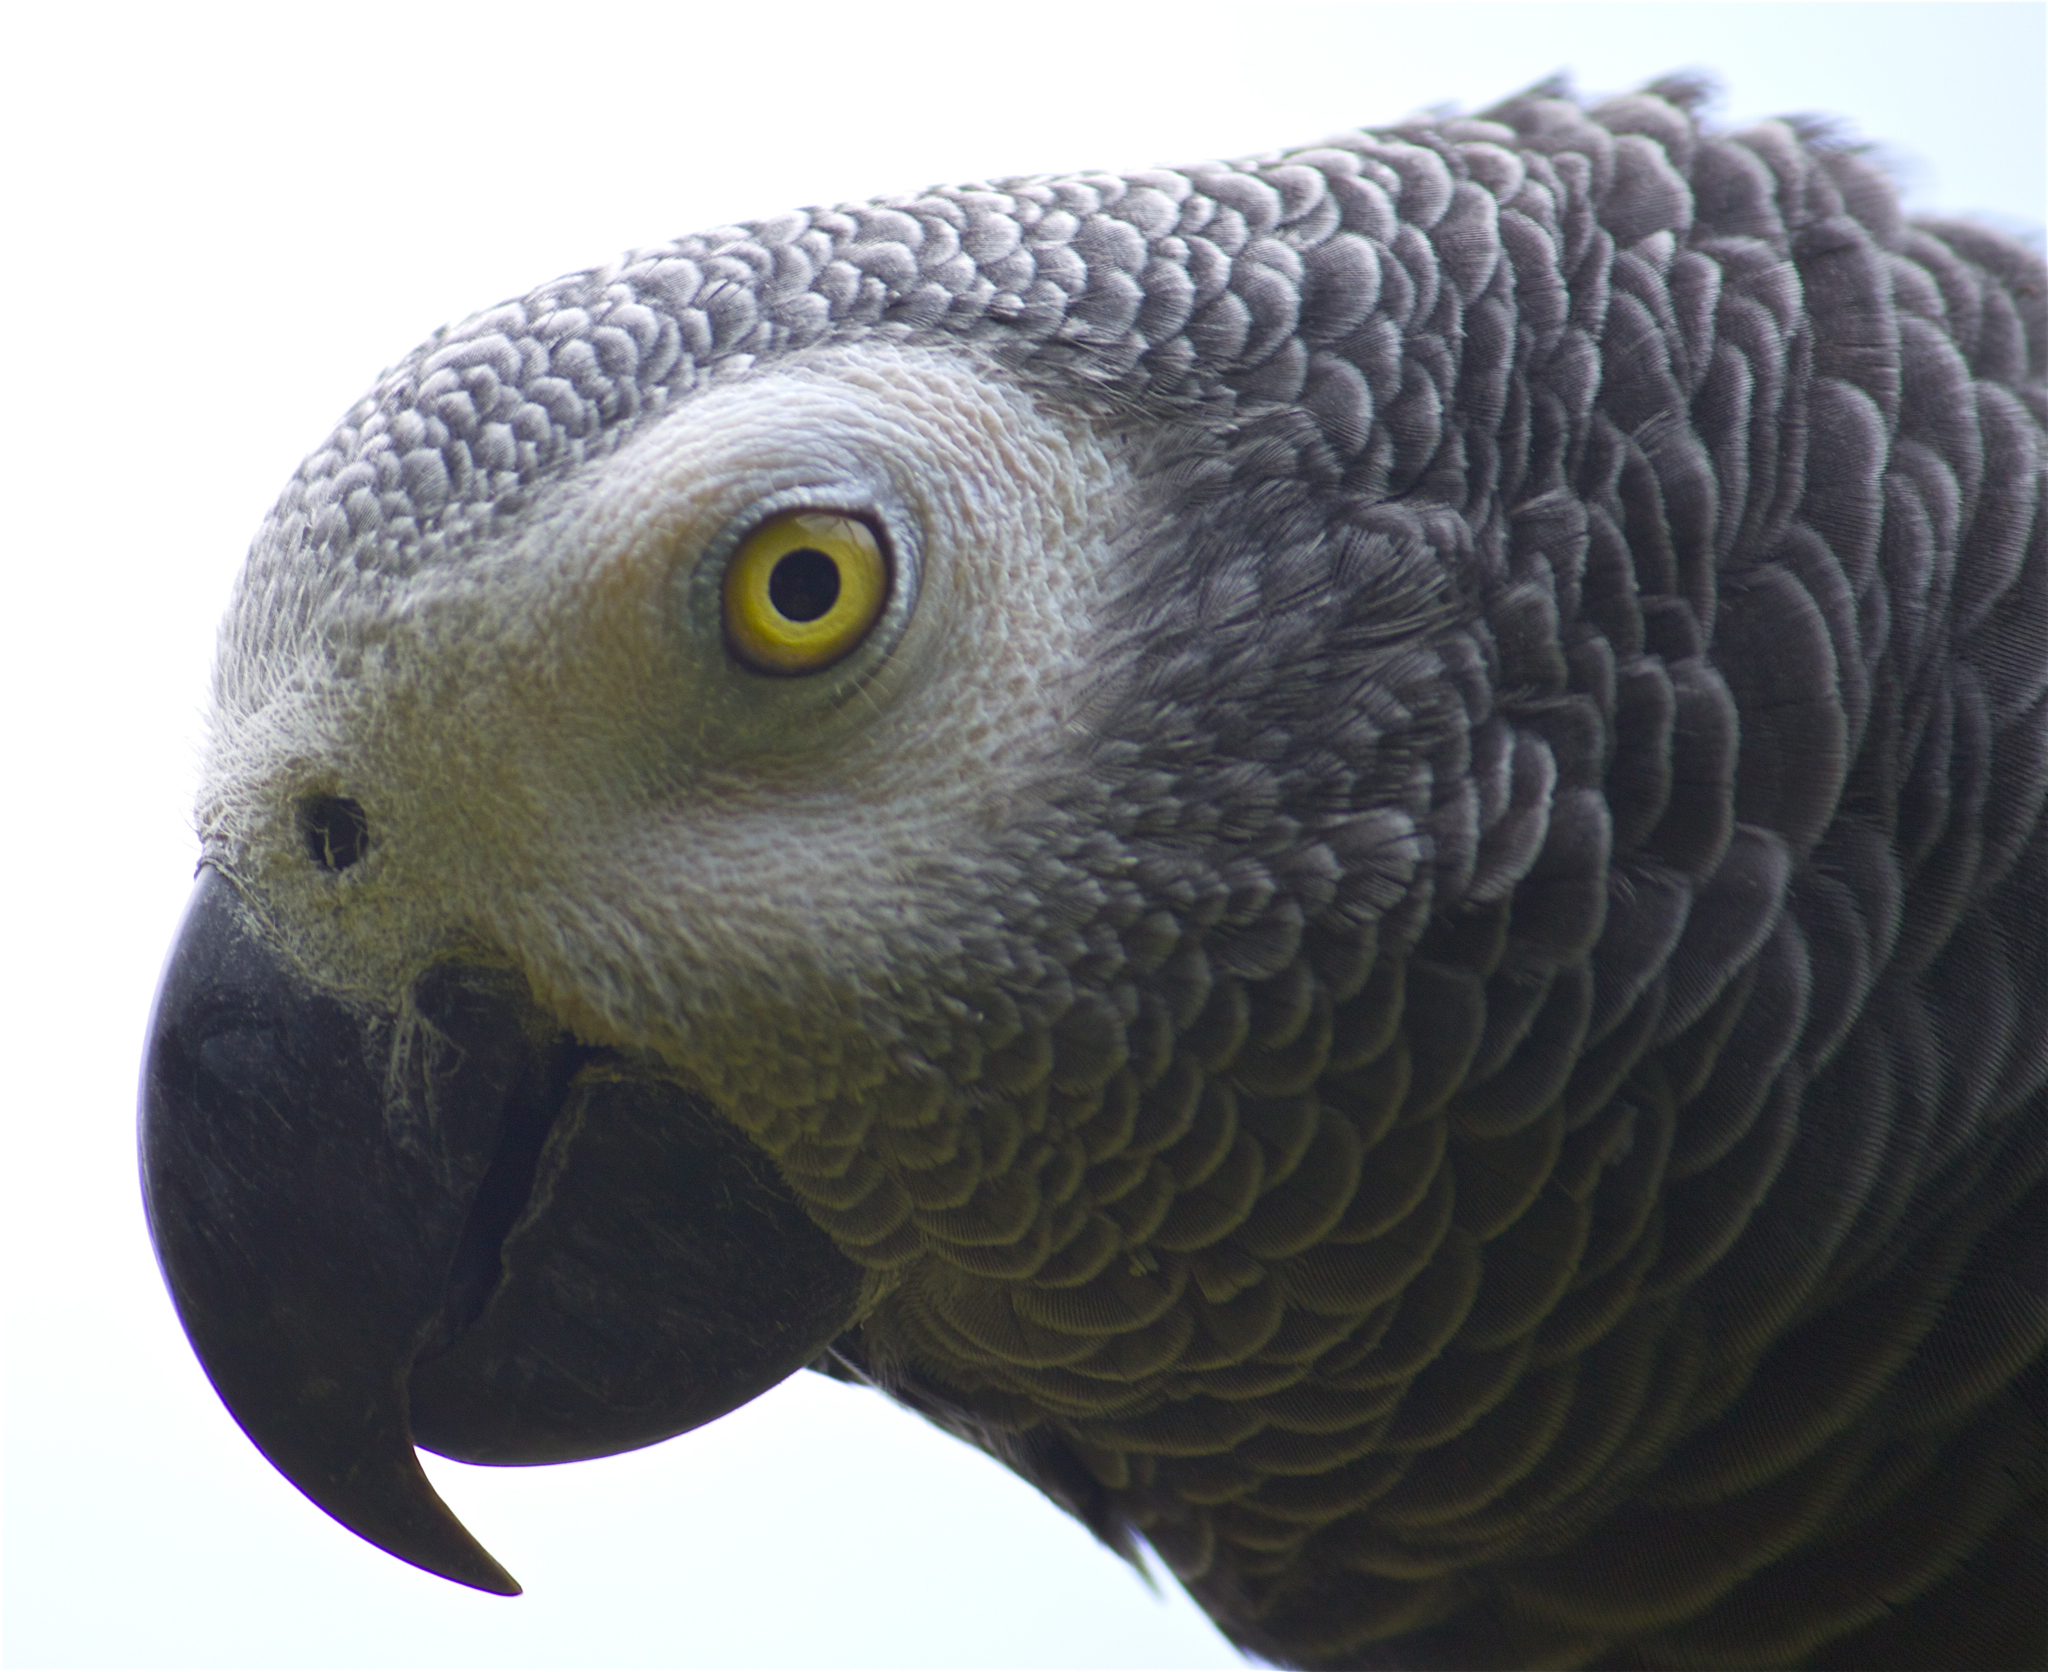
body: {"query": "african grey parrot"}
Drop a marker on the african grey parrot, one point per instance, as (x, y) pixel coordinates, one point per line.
(1345, 851)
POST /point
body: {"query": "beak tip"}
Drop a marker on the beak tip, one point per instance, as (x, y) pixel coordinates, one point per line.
(475, 1567)
(492, 1579)
(394, 1506)
(456, 1555)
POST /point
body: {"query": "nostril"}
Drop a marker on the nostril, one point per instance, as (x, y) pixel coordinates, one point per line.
(337, 832)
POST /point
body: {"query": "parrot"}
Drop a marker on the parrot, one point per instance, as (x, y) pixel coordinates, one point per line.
(1344, 851)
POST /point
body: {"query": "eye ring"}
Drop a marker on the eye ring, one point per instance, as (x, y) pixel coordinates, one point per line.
(803, 590)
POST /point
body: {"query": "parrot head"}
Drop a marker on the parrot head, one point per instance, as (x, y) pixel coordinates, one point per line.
(619, 848)
(1343, 851)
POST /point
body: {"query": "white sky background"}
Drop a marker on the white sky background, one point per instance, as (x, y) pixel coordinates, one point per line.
(221, 224)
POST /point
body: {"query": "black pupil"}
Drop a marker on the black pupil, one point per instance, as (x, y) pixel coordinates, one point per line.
(804, 584)
(337, 832)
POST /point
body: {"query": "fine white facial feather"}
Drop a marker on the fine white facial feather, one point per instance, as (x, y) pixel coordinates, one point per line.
(564, 769)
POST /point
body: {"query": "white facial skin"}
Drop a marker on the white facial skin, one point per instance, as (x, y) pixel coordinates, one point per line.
(564, 768)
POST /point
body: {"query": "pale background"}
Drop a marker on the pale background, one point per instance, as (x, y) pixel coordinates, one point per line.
(220, 223)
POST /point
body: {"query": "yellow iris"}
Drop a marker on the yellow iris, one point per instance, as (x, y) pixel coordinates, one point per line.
(803, 590)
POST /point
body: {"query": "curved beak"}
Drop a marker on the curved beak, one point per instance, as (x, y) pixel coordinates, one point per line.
(454, 1226)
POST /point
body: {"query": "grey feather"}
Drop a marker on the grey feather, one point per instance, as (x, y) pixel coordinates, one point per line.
(1498, 1108)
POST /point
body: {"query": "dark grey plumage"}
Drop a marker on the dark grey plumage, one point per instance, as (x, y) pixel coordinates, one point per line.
(1494, 1109)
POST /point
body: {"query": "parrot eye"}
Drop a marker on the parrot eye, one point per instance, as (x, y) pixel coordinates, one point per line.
(803, 590)
(336, 830)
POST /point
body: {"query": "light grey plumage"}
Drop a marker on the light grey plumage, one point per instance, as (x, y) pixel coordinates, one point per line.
(1413, 960)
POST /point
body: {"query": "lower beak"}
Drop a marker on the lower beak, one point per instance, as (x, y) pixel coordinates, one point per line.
(451, 1225)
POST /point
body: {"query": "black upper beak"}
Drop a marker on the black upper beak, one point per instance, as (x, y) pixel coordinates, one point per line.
(451, 1225)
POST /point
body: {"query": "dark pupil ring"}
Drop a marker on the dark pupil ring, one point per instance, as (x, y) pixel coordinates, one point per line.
(804, 584)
